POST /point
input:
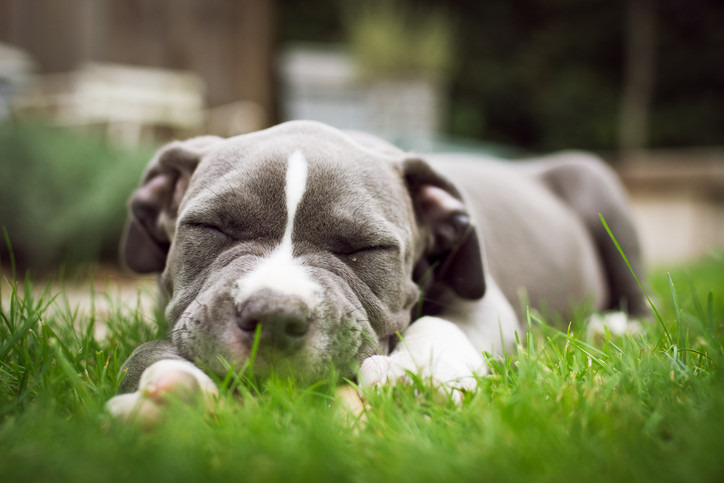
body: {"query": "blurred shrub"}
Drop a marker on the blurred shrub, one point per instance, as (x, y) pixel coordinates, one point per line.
(548, 74)
(393, 39)
(63, 194)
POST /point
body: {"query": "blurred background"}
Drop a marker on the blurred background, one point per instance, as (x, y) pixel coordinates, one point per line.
(90, 88)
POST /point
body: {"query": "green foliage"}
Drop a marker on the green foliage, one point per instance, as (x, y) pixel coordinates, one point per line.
(541, 75)
(549, 74)
(390, 39)
(564, 408)
(63, 194)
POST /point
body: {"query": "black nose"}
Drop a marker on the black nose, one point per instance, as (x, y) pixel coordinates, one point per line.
(284, 321)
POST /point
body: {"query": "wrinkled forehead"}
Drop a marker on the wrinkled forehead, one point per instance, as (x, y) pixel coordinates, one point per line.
(341, 177)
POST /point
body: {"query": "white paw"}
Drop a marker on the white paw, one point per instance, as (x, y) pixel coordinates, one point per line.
(166, 378)
(434, 349)
(617, 323)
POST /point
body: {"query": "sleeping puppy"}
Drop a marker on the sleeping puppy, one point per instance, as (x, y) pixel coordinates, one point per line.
(321, 249)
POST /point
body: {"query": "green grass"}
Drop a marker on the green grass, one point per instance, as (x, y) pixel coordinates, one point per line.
(644, 408)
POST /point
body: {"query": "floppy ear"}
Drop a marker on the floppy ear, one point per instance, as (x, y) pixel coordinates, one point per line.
(452, 253)
(153, 207)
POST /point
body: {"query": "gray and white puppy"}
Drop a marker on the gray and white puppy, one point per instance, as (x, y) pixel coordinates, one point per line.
(330, 244)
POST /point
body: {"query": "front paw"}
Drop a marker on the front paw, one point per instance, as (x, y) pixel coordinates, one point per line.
(446, 376)
(161, 382)
(433, 349)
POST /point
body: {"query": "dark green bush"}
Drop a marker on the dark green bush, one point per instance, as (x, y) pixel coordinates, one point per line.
(549, 74)
(63, 194)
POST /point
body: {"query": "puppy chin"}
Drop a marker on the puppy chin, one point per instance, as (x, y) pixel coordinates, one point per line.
(303, 366)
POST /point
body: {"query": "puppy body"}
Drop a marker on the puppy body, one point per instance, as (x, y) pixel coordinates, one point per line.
(327, 245)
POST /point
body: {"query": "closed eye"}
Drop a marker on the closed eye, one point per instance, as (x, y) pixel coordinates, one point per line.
(207, 227)
(365, 250)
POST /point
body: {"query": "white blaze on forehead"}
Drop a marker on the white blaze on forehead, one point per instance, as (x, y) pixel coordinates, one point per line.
(295, 188)
(281, 272)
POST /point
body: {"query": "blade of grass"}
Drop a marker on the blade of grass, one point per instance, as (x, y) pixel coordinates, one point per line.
(682, 342)
(628, 264)
(19, 334)
(695, 299)
(710, 314)
(8, 244)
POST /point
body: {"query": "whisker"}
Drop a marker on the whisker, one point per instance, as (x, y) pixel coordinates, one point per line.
(362, 206)
(354, 310)
(207, 187)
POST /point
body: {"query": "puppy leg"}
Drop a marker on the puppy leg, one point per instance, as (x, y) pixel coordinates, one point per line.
(155, 371)
(591, 188)
(433, 348)
(166, 378)
(141, 359)
(616, 323)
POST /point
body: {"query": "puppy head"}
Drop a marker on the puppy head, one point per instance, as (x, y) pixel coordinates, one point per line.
(298, 237)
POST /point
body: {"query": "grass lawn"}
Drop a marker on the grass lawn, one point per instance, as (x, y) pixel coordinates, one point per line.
(643, 408)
